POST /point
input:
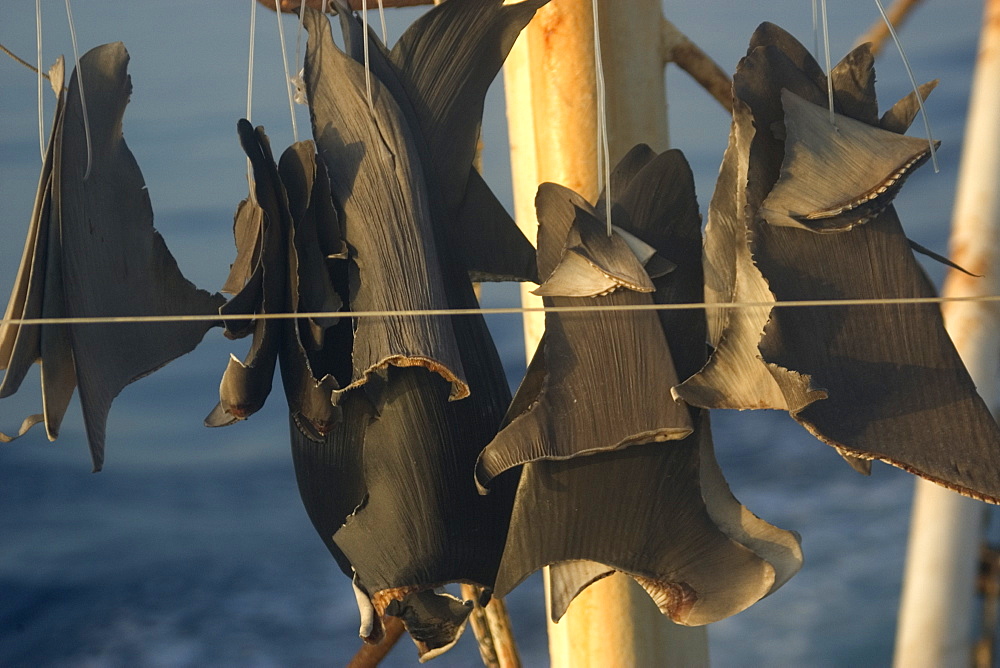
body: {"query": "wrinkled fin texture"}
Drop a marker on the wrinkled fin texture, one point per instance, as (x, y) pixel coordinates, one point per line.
(108, 260)
(836, 177)
(21, 345)
(896, 389)
(655, 511)
(607, 373)
(735, 376)
(378, 183)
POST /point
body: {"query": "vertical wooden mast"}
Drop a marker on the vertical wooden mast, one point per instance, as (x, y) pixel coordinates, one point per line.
(936, 611)
(552, 118)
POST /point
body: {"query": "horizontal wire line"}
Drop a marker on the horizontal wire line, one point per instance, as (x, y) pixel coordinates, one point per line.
(108, 320)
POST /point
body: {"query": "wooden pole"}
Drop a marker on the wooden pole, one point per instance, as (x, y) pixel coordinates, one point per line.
(552, 121)
(290, 6)
(936, 610)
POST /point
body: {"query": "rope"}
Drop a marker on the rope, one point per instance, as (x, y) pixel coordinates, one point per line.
(802, 303)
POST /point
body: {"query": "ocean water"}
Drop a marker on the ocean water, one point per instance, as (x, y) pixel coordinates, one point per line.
(192, 548)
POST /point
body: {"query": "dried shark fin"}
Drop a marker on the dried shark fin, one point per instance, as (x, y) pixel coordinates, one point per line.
(769, 36)
(927, 252)
(779, 548)
(835, 177)
(700, 555)
(595, 264)
(732, 275)
(290, 256)
(423, 524)
(908, 404)
(329, 473)
(899, 116)
(445, 41)
(58, 365)
(248, 232)
(467, 42)
(735, 376)
(309, 394)
(568, 579)
(20, 345)
(378, 184)
(435, 621)
(113, 262)
(438, 73)
(673, 546)
(246, 384)
(246, 275)
(614, 410)
(37, 293)
(660, 206)
(853, 81)
(317, 293)
(631, 164)
(491, 246)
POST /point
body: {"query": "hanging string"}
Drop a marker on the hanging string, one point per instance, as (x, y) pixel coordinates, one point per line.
(364, 42)
(512, 310)
(41, 96)
(913, 82)
(381, 18)
(253, 33)
(299, 81)
(829, 69)
(288, 78)
(603, 153)
(80, 86)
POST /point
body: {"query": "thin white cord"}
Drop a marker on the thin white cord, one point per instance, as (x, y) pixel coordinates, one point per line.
(253, 33)
(725, 306)
(364, 41)
(299, 81)
(41, 96)
(381, 18)
(916, 91)
(288, 78)
(80, 86)
(829, 69)
(603, 152)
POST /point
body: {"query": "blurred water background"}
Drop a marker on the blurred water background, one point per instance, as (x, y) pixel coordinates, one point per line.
(192, 547)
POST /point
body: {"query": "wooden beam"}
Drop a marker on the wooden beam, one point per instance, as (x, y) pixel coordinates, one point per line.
(688, 56)
(292, 6)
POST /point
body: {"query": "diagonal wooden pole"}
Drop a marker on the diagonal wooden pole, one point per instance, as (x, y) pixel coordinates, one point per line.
(551, 112)
(936, 610)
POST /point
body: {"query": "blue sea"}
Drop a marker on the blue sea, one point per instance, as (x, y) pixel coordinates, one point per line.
(192, 548)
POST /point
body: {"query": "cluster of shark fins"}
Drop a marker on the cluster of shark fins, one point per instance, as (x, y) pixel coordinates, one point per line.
(803, 211)
(594, 411)
(414, 463)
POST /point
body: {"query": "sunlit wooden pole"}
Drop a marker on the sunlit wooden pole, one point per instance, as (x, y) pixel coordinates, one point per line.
(551, 110)
(936, 610)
